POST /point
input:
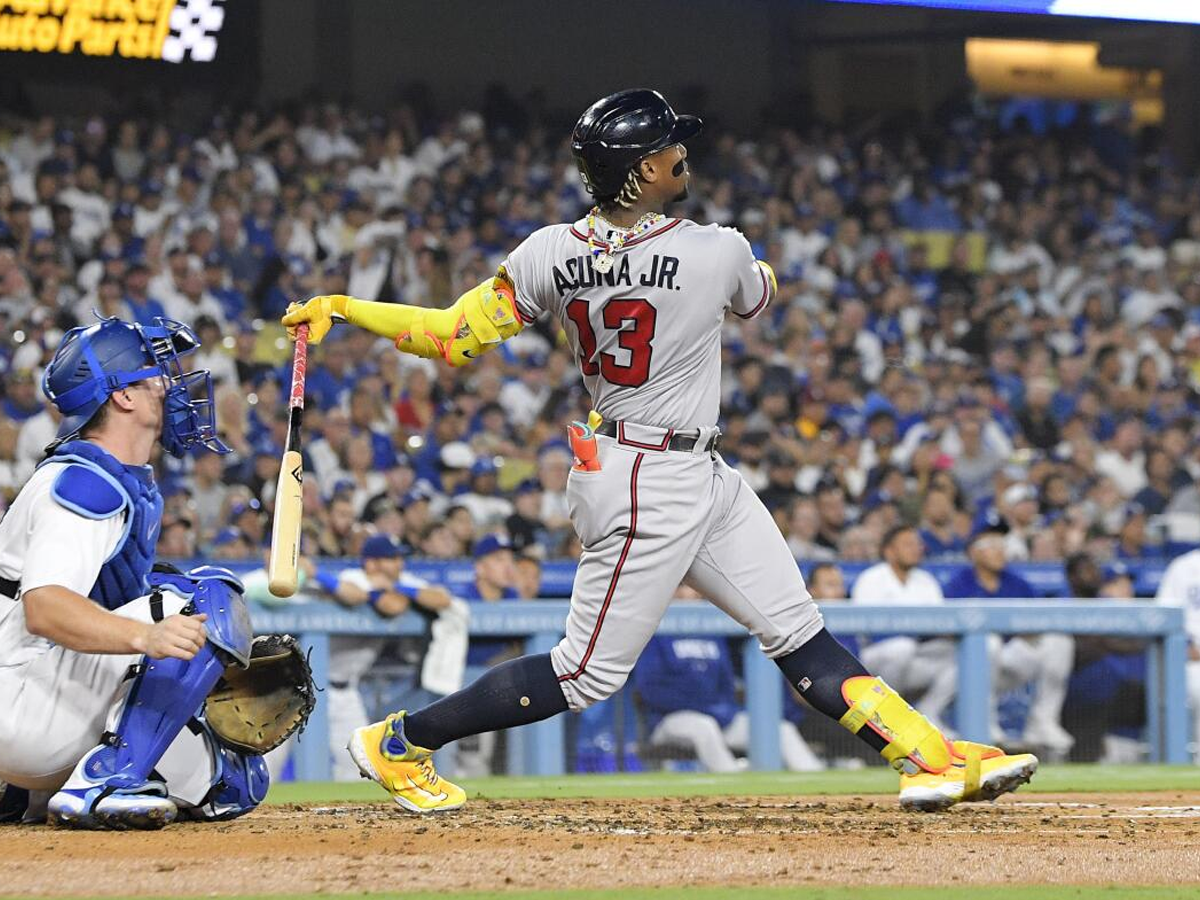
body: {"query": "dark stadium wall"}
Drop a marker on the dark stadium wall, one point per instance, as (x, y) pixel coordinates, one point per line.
(782, 60)
(568, 52)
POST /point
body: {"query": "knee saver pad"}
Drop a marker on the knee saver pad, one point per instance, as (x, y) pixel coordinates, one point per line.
(165, 695)
(239, 785)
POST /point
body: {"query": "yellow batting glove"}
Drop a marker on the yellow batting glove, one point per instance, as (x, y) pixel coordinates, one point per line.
(319, 313)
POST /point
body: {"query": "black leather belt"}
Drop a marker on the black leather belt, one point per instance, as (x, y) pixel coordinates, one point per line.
(684, 442)
(9, 588)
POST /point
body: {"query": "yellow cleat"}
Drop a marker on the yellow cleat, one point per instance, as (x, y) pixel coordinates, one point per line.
(976, 772)
(401, 768)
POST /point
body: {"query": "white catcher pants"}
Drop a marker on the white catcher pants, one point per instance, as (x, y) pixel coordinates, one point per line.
(649, 520)
(55, 706)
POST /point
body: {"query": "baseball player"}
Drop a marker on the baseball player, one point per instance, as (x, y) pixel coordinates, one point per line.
(642, 297)
(103, 664)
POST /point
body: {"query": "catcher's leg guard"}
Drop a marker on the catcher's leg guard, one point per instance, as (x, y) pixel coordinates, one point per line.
(115, 786)
(240, 783)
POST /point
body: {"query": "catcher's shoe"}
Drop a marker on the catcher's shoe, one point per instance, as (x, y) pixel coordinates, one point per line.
(401, 768)
(14, 801)
(147, 809)
(976, 772)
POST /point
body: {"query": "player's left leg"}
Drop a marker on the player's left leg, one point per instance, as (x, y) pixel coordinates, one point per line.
(764, 591)
(640, 520)
(120, 783)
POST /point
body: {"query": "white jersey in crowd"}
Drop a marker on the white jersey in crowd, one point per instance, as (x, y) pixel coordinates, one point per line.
(1180, 586)
(646, 334)
(880, 584)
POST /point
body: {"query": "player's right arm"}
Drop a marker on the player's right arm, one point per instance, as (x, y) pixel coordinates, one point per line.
(75, 622)
(478, 321)
(65, 551)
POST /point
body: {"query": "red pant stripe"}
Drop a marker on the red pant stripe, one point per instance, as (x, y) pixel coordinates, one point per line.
(616, 575)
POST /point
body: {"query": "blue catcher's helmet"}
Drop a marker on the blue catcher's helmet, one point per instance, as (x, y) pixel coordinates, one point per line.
(93, 361)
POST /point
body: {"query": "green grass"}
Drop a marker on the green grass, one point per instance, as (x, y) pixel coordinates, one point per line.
(794, 892)
(876, 780)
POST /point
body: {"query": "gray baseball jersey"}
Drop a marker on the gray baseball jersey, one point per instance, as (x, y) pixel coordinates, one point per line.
(646, 336)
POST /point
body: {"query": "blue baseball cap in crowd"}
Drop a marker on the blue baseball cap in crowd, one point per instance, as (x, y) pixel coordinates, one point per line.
(1116, 569)
(245, 506)
(421, 493)
(490, 543)
(485, 465)
(382, 546)
(229, 535)
(528, 486)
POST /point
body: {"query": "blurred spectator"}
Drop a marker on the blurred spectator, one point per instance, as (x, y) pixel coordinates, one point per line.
(825, 582)
(939, 529)
(483, 501)
(1039, 324)
(381, 583)
(708, 723)
(917, 667)
(1046, 659)
(1107, 685)
(527, 572)
(525, 524)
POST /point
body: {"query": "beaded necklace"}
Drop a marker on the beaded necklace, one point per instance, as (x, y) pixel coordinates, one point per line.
(602, 260)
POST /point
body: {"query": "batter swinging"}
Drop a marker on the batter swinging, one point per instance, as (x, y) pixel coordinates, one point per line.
(642, 298)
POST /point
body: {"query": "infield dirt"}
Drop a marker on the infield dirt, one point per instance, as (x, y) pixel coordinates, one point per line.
(1025, 839)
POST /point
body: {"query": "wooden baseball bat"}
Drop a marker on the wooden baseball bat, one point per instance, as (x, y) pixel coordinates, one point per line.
(289, 491)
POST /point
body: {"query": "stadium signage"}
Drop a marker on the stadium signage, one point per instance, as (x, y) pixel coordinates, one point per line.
(170, 30)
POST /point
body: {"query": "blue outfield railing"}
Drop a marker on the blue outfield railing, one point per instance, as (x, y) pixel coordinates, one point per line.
(541, 748)
(1047, 578)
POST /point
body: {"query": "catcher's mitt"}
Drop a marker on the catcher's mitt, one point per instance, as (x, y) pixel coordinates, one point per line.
(256, 709)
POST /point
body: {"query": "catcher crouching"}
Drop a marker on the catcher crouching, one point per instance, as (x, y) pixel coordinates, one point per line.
(130, 694)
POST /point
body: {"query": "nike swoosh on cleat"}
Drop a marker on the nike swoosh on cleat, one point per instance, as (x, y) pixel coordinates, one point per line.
(416, 787)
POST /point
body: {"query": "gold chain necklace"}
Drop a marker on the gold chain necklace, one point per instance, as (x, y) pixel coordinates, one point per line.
(602, 259)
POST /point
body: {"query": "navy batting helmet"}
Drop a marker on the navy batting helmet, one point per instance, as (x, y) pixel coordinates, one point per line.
(94, 361)
(616, 133)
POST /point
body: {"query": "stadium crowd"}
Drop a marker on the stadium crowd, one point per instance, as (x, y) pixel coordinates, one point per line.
(978, 327)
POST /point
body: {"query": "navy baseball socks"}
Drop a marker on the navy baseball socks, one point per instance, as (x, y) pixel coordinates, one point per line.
(518, 692)
(397, 753)
(935, 773)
